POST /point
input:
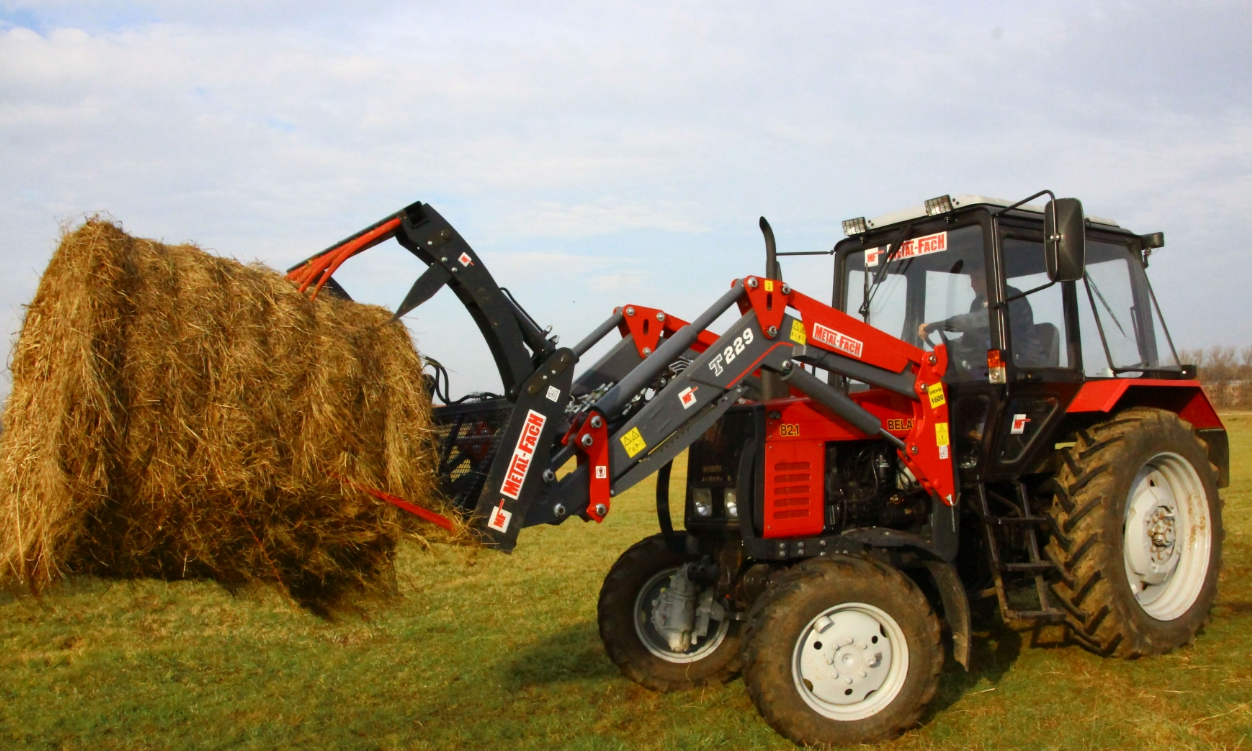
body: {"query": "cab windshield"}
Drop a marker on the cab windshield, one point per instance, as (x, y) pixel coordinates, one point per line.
(932, 278)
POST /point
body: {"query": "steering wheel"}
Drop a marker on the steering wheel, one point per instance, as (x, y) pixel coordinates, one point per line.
(954, 355)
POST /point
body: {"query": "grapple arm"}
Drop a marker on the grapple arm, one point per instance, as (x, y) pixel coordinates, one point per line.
(516, 342)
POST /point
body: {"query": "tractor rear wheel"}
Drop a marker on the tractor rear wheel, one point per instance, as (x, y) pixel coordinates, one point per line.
(643, 580)
(842, 650)
(1140, 543)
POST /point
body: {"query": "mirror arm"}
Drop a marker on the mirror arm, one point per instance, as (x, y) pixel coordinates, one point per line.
(1005, 302)
(1027, 200)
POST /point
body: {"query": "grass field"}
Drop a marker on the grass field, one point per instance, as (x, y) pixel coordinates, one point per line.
(494, 652)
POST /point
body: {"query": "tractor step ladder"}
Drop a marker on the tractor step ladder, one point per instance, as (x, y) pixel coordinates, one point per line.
(1034, 566)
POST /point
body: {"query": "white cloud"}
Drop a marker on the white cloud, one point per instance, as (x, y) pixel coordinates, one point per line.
(627, 148)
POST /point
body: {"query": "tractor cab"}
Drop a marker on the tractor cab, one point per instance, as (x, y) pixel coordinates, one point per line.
(974, 273)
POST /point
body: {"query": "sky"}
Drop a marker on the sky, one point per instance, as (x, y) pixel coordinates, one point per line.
(597, 154)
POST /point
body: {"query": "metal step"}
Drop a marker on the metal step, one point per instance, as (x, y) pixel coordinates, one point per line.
(1035, 566)
(1004, 521)
(1050, 614)
(1042, 566)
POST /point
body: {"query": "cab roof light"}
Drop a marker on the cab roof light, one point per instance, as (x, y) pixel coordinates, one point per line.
(938, 206)
(854, 227)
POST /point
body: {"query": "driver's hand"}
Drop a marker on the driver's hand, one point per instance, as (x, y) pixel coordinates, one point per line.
(923, 331)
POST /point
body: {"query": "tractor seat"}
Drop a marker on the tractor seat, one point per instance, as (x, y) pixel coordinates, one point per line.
(1049, 338)
(1042, 349)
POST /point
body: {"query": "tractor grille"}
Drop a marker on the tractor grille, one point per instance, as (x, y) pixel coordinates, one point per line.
(468, 437)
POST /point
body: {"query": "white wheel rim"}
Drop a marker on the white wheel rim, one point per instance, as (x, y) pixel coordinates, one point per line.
(850, 662)
(1167, 537)
(652, 639)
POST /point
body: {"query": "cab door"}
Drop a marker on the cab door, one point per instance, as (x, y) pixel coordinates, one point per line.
(1039, 342)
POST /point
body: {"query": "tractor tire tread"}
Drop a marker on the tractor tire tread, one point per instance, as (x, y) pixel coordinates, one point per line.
(1101, 617)
(773, 696)
(615, 610)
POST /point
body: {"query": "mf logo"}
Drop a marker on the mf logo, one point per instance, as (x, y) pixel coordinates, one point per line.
(1019, 424)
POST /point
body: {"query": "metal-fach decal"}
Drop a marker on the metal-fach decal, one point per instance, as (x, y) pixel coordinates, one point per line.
(838, 340)
(918, 246)
(523, 453)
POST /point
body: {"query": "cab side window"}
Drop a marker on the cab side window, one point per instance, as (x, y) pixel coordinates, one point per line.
(1036, 322)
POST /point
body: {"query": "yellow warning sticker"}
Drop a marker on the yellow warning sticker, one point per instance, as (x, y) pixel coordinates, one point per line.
(941, 434)
(769, 285)
(797, 332)
(935, 391)
(633, 442)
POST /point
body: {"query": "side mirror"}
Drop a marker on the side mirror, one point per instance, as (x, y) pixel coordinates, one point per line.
(1065, 240)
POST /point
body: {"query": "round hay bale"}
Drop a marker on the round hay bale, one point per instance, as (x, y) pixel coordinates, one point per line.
(183, 416)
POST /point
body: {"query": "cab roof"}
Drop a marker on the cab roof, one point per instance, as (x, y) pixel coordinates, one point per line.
(958, 202)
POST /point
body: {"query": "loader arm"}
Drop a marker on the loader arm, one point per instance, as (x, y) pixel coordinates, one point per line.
(615, 455)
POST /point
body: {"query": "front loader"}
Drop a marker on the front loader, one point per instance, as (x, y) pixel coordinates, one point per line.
(851, 482)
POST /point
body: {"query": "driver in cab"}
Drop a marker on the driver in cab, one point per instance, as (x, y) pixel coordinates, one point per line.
(975, 326)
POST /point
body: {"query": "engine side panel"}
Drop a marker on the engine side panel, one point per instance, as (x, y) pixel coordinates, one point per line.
(795, 474)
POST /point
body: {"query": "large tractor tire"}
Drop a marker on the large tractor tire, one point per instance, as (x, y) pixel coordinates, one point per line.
(1140, 543)
(631, 592)
(842, 650)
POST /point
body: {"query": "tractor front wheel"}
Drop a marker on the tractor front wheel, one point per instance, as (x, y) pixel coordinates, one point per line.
(842, 650)
(661, 629)
(1140, 543)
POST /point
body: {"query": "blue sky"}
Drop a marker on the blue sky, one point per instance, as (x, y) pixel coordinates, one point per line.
(597, 154)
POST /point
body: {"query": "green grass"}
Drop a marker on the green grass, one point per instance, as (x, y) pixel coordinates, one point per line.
(491, 651)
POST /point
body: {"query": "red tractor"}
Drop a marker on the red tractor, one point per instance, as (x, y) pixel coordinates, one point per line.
(1002, 415)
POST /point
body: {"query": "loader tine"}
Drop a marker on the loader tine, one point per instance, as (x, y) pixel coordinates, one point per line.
(430, 282)
(400, 503)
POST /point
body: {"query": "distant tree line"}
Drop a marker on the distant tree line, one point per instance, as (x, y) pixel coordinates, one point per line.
(1225, 373)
